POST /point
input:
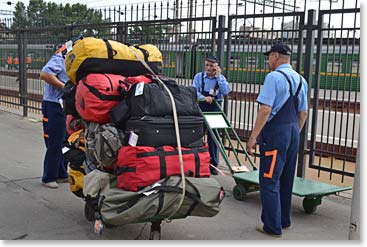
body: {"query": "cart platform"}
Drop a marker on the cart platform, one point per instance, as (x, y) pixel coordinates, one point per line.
(312, 190)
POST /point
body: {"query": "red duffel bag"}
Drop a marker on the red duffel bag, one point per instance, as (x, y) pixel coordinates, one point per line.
(141, 166)
(96, 94)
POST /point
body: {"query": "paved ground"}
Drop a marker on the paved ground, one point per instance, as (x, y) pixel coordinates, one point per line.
(30, 211)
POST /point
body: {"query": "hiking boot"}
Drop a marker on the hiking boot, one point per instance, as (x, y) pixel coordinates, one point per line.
(52, 185)
(260, 228)
(62, 180)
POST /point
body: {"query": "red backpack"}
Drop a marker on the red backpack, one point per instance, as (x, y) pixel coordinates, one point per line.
(96, 94)
(141, 166)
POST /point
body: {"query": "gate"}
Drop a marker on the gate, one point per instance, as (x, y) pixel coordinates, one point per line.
(335, 124)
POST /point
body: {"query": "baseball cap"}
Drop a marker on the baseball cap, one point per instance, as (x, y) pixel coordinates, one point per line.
(212, 59)
(281, 48)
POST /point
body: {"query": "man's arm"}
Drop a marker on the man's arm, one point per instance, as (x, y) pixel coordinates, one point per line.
(302, 115)
(262, 117)
(52, 80)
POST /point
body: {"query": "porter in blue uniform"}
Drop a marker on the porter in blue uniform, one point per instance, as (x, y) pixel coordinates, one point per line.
(281, 116)
(211, 85)
(54, 120)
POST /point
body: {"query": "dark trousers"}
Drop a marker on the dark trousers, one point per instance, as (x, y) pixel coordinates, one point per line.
(54, 128)
(279, 142)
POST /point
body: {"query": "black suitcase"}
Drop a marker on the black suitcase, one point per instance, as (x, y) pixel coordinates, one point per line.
(160, 131)
(155, 101)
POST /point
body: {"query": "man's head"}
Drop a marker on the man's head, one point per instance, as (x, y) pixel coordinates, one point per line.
(211, 62)
(278, 54)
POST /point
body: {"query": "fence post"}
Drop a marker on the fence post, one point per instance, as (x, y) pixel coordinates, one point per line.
(355, 226)
(22, 50)
(316, 87)
(121, 32)
(220, 50)
(310, 41)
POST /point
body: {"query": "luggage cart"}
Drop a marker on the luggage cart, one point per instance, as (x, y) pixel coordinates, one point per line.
(246, 175)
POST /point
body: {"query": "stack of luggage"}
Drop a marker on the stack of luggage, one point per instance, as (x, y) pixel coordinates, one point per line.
(122, 150)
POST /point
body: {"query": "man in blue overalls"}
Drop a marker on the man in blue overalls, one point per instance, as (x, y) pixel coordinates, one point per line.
(281, 117)
(211, 85)
(54, 120)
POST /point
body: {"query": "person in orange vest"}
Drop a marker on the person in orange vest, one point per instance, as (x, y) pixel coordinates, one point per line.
(9, 61)
(28, 61)
(16, 62)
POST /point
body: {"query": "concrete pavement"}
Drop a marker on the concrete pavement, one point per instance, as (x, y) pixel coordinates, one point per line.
(30, 211)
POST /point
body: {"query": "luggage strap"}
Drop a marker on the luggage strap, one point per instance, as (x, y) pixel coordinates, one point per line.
(162, 161)
(96, 93)
(110, 52)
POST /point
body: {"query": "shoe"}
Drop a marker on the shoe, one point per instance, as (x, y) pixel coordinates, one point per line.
(260, 228)
(52, 185)
(62, 180)
(286, 227)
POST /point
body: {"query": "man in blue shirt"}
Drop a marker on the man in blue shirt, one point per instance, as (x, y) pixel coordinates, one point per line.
(211, 85)
(281, 117)
(54, 120)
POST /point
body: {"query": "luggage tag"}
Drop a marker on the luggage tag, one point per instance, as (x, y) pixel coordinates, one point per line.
(65, 149)
(213, 92)
(139, 89)
(133, 139)
(148, 193)
(69, 45)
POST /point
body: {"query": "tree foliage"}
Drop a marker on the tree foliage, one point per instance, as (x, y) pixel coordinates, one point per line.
(41, 14)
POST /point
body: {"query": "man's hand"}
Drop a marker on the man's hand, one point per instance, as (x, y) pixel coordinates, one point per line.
(218, 71)
(250, 145)
(208, 99)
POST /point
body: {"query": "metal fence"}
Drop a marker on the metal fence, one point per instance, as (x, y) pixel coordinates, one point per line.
(324, 37)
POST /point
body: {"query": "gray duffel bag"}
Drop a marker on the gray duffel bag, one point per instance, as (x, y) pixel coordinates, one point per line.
(203, 198)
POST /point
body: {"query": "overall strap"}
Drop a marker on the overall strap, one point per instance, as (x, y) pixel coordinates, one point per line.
(216, 87)
(202, 81)
(289, 81)
(290, 85)
(299, 86)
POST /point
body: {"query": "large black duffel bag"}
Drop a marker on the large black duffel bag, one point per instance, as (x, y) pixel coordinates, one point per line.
(160, 131)
(155, 101)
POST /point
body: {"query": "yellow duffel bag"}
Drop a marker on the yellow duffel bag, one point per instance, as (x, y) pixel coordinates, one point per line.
(93, 55)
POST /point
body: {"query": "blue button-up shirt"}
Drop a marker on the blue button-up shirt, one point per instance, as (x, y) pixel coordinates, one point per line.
(55, 66)
(275, 90)
(210, 83)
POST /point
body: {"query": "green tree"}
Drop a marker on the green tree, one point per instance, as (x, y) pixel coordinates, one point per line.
(38, 13)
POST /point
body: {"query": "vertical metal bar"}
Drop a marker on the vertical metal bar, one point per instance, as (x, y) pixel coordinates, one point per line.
(300, 43)
(310, 41)
(316, 88)
(354, 227)
(220, 51)
(22, 72)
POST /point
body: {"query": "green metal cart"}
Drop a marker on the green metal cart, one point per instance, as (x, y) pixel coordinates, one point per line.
(246, 174)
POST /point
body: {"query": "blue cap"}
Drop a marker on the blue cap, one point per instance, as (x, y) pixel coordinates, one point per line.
(281, 48)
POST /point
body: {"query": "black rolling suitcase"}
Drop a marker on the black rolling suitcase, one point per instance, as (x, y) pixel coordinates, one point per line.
(160, 131)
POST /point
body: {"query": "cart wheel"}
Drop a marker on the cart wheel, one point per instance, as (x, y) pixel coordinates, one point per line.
(89, 212)
(239, 192)
(155, 231)
(309, 205)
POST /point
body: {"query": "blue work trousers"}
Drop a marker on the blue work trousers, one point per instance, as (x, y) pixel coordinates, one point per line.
(54, 128)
